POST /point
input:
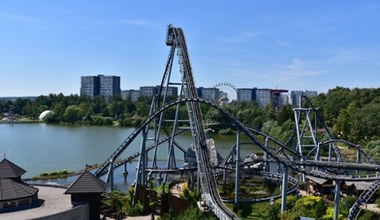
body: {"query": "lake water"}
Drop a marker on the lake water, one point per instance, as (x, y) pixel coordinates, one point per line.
(39, 148)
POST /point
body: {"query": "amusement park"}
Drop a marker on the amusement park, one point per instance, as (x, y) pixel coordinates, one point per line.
(308, 174)
(310, 162)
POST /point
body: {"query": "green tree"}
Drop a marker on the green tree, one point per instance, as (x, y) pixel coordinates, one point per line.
(72, 114)
(308, 206)
(284, 114)
(345, 205)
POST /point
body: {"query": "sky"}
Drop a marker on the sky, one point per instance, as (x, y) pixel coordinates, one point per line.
(46, 46)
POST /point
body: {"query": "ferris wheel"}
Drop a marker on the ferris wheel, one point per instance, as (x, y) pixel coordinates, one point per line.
(228, 92)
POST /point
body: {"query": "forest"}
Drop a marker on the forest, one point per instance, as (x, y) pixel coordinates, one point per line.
(350, 114)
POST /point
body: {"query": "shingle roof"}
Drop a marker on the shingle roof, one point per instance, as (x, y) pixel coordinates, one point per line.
(11, 189)
(10, 170)
(320, 181)
(359, 185)
(86, 183)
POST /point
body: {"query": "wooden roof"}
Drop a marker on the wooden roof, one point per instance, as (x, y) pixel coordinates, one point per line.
(361, 186)
(10, 170)
(86, 183)
(11, 189)
(317, 180)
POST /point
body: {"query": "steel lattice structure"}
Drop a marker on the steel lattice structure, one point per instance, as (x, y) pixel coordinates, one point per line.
(154, 135)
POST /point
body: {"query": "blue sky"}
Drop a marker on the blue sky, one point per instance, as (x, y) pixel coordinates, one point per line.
(45, 46)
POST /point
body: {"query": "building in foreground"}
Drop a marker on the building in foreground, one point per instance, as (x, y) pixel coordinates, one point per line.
(87, 189)
(14, 193)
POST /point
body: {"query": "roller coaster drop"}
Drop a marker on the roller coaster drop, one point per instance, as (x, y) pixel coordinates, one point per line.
(208, 167)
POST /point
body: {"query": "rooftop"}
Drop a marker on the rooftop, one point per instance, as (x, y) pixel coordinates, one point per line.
(10, 170)
(86, 183)
(54, 201)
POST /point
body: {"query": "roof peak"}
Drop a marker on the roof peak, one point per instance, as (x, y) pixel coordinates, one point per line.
(10, 170)
(86, 183)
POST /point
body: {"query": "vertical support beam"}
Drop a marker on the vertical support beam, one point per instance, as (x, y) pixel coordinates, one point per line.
(337, 199)
(111, 175)
(330, 152)
(358, 159)
(224, 176)
(237, 174)
(140, 174)
(266, 157)
(284, 189)
(318, 154)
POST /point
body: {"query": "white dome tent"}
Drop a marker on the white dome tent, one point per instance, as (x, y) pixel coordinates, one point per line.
(44, 114)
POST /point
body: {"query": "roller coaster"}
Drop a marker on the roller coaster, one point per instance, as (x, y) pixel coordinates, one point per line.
(169, 119)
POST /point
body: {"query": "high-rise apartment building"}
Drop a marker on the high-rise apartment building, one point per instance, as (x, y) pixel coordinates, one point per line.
(263, 97)
(105, 86)
(210, 94)
(132, 94)
(89, 86)
(148, 91)
(109, 85)
(296, 96)
(245, 94)
(171, 91)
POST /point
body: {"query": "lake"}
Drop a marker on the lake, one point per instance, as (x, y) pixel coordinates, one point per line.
(40, 147)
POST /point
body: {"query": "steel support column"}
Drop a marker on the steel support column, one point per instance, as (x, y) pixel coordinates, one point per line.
(284, 188)
(337, 199)
(266, 156)
(237, 174)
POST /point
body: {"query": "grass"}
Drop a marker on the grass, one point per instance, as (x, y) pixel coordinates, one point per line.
(54, 175)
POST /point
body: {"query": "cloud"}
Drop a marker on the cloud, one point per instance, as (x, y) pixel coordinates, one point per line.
(242, 37)
(138, 22)
(295, 70)
(283, 44)
(14, 17)
(347, 56)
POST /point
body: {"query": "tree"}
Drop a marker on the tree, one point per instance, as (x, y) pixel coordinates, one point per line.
(72, 114)
(284, 114)
(31, 110)
(308, 206)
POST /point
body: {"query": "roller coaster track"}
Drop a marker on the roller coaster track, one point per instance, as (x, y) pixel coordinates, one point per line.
(276, 151)
(274, 176)
(102, 170)
(363, 198)
(205, 169)
(337, 152)
(278, 154)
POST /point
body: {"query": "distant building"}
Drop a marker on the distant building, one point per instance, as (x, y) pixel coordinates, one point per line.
(245, 94)
(295, 98)
(171, 91)
(89, 86)
(148, 91)
(135, 94)
(105, 86)
(311, 93)
(109, 85)
(132, 94)
(296, 95)
(284, 99)
(210, 94)
(276, 97)
(263, 97)
(124, 94)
